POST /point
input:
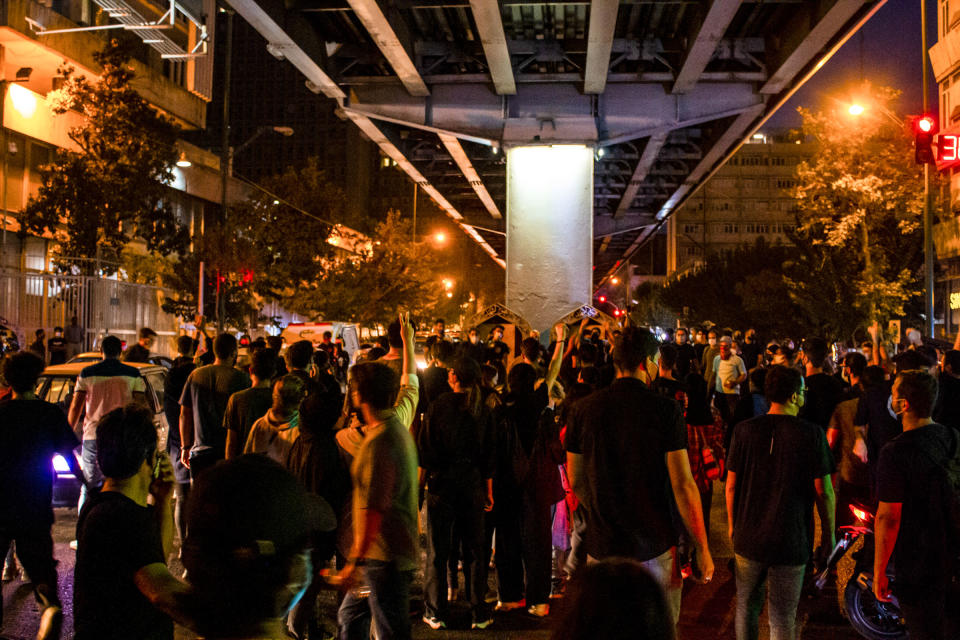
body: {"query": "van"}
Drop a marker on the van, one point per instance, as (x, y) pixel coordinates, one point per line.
(348, 332)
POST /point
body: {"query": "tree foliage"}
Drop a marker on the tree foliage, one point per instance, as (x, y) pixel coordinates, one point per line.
(109, 191)
(370, 287)
(860, 208)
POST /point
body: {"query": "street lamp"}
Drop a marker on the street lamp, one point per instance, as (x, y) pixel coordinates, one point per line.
(440, 237)
(855, 109)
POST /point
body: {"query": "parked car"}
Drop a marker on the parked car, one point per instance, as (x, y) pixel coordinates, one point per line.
(89, 357)
(313, 331)
(57, 384)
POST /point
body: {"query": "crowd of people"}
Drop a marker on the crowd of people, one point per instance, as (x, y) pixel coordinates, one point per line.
(580, 468)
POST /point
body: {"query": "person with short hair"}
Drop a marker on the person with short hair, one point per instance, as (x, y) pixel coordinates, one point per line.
(57, 346)
(32, 431)
(625, 445)
(203, 405)
(686, 353)
(384, 474)
(299, 359)
(122, 588)
(274, 434)
(913, 521)
(176, 379)
(140, 352)
(777, 466)
(245, 407)
(852, 483)
(101, 388)
(456, 450)
(728, 373)
(824, 391)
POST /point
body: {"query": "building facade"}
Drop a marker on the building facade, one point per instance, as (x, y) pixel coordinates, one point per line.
(945, 60)
(746, 199)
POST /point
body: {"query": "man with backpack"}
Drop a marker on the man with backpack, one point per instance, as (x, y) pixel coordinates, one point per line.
(918, 480)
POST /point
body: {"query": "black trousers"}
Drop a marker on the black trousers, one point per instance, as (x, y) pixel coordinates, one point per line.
(524, 549)
(35, 551)
(464, 514)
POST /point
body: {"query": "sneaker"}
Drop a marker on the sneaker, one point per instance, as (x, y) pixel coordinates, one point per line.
(435, 623)
(73, 545)
(482, 625)
(510, 606)
(539, 610)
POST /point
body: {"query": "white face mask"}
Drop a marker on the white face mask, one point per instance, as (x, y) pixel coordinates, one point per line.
(473, 339)
(712, 341)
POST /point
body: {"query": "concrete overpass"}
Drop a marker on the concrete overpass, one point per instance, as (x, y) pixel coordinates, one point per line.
(630, 105)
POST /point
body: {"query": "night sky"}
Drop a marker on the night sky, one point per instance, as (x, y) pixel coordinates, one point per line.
(890, 44)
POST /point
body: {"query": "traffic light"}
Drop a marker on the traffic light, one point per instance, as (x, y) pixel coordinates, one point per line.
(602, 299)
(924, 129)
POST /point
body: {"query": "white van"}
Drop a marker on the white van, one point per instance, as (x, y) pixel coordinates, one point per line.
(348, 332)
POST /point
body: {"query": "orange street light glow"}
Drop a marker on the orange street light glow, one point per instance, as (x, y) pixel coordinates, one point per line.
(440, 237)
(856, 109)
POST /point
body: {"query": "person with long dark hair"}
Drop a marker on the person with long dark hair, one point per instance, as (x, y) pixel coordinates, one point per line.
(456, 450)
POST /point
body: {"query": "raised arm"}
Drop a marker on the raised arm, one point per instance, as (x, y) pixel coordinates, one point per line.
(554, 369)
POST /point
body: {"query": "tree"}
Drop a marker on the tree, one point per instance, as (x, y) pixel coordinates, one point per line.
(371, 286)
(860, 203)
(111, 190)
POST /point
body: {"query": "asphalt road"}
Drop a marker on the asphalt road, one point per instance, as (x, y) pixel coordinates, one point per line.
(707, 610)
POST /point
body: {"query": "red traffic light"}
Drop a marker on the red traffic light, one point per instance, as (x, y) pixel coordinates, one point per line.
(925, 124)
(602, 298)
(617, 312)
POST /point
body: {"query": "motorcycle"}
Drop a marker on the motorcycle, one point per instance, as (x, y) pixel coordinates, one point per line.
(869, 617)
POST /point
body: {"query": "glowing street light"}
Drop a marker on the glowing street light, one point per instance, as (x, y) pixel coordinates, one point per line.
(449, 294)
(440, 237)
(856, 109)
(447, 283)
(614, 280)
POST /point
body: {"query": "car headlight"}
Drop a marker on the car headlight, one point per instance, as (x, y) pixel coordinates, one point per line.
(60, 464)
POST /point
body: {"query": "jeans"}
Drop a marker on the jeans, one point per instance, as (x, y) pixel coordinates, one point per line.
(91, 469)
(463, 513)
(663, 570)
(35, 551)
(386, 609)
(753, 581)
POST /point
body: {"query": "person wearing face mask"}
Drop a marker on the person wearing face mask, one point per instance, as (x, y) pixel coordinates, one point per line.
(728, 373)
(710, 353)
(777, 466)
(473, 348)
(912, 518)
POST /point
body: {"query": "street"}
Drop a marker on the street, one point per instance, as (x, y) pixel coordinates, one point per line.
(708, 610)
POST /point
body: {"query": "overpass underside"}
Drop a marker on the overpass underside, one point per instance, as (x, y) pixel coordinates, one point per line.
(639, 101)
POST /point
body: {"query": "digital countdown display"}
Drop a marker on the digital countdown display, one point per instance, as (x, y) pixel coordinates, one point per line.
(948, 149)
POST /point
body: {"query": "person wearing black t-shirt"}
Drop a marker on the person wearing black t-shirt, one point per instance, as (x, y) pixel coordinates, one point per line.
(121, 584)
(666, 384)
(947, 409)
(57, 346)
(823, 390)
(778, 464)
(173, 385)
(31, 433)
(686, 353)
(626, 454)
(912, 516)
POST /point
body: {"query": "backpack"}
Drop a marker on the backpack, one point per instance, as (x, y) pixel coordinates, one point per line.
(945, 491)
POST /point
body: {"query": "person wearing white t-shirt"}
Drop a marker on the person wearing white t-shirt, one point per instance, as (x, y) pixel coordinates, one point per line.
(101, 388)
(729, 373)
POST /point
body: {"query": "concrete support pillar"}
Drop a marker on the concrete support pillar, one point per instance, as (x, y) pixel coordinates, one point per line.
(549, 231)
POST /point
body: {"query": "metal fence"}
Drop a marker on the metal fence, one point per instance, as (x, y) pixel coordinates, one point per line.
(30, 301)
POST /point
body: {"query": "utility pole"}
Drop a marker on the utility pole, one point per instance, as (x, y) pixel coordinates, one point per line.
(225, 155)
(927, 204)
